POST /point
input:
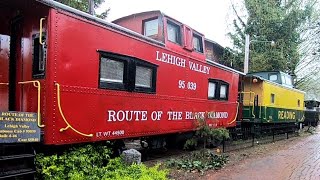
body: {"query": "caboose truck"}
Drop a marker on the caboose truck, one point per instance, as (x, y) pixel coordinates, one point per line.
(77, 77)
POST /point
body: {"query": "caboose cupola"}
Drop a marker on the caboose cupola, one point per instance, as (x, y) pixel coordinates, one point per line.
(175, 35)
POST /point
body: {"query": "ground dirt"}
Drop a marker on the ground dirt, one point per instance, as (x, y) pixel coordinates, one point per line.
(240, 161)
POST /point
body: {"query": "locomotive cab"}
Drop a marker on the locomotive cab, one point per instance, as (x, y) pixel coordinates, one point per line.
(268, 101)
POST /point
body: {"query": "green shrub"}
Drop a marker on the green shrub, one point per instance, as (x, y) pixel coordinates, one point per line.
(209, 135)
(190, 144)
(92, 162)
(199, 161)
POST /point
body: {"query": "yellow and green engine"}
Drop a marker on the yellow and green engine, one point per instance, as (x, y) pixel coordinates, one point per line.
(269, 97)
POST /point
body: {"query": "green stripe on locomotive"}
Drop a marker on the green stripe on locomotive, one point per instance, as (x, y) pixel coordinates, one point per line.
(264, 114)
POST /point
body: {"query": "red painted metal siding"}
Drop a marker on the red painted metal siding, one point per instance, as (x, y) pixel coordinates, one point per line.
(73, 62)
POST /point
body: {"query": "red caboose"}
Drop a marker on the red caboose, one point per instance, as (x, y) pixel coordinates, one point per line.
(90, 80)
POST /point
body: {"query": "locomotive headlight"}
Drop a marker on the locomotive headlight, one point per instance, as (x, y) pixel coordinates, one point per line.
(255, 80)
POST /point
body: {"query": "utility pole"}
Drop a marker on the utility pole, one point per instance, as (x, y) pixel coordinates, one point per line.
(246, 54)
(247, 51)
(91, 7)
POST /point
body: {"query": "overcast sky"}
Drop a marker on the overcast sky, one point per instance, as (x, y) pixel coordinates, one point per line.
(207, 17)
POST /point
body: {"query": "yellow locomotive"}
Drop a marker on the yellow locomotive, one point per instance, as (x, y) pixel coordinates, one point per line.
(270, 100)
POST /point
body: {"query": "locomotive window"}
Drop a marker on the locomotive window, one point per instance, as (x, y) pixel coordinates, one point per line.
(212, 90)
(151, 27)
(39, 58)
(298, 102)
(272, 98)
(174, 32)
(197, 43)
(273, 77)
(288, 80)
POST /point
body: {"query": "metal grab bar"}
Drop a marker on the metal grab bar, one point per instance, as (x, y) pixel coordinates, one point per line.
(4, 83)
(41, 31)
(62, 115)
(249, 101)
(38, 86)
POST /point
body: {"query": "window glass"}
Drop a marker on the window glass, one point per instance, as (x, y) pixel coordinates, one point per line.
(273, 77)
(272, 98)
(223, 91)
(151, 27)
(212, 90)
(39, 58)
(111, 70)
(288, 80)
(283, 79)
(173, 31)
(143, 77)
(197, 43)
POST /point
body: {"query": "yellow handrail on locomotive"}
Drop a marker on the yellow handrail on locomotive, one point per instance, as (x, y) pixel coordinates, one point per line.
(38, 86)
(41, 31)
(249, 101)
(63, 117)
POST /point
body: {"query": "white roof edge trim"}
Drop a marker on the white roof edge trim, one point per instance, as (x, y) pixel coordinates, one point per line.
(55, 4)
(224, 67)
(277, 84)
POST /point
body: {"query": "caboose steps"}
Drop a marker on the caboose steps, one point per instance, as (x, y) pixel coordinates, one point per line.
(17, 160)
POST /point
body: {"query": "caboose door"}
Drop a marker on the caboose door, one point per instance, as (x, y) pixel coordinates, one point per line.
(10, 55)
(15, 64)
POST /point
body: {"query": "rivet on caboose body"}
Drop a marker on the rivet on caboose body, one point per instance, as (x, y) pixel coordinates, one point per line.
(88, 80)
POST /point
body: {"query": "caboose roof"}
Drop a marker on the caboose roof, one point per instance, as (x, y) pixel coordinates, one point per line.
(155, 12)
(60, 6)
(57, 5)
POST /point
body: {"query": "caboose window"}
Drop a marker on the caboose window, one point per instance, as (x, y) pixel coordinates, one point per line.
(218, 89)
(120, 72)
(39, 58)
(223, 91)
(151, 27)
(111, 71)
(174, 32)
(197, 43)
(143, 76)
(212, 90)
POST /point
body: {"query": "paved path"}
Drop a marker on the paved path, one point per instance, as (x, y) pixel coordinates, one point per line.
(300, 161)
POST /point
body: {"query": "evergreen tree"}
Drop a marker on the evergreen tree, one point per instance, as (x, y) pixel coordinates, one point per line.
(277, 20)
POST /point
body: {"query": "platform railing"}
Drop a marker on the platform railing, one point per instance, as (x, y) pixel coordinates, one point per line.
(250, 102)
(36, 84)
